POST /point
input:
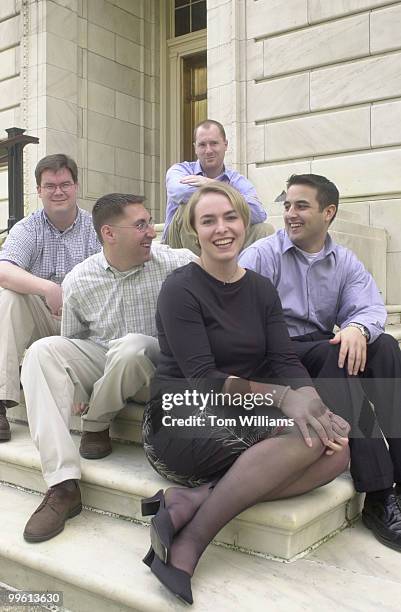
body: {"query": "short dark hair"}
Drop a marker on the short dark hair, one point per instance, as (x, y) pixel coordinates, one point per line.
(327, 192)
(55, 163)
(207, 123)
(109, 207)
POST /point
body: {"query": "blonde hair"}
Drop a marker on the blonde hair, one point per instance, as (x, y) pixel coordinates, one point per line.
(234, 196)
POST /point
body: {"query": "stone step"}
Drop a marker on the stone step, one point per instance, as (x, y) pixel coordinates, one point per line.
(117, 483)
(393, 308)
(395, 331)
(393, 318)
(95, 561)
(393, 314)
(93, 575)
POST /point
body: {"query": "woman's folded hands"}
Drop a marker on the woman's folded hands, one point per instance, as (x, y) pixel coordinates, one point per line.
(312, 416)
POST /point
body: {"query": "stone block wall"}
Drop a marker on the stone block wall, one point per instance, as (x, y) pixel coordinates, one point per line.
(10, 83)
(315, 87)
(90, 88)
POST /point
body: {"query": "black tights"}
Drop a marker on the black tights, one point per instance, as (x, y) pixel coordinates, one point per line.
(274, 468)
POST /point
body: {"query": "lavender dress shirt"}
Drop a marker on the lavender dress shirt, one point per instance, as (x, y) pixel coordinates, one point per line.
(335, 289)
(179, 193)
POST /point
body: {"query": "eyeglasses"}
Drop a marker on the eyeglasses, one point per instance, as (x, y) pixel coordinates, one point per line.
(50, 187)
(141, 226)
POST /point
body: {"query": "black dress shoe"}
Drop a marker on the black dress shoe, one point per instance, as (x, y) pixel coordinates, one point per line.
(148, 558)
(162, 533)
(175, 580)
(150, 505)
(161, 528)
(383, 517)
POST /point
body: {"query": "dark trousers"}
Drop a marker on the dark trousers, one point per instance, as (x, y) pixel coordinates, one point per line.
(373, 465)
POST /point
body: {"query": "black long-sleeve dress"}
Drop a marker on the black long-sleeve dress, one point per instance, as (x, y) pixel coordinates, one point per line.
(209, 330)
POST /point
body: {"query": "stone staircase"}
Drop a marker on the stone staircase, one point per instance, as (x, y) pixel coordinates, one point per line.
(393, 325)
(96, 560)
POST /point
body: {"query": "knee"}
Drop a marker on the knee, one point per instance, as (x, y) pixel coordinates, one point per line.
(9, 299)
(340, 461)
(328, 351)
(133, 347)
(42, 348)
(317, 448)
(385, 343)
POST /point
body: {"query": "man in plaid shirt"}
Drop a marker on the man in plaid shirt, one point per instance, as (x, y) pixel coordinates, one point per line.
(38, 253)
(106, 353)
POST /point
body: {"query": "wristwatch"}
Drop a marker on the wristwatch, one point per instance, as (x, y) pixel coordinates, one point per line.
(364, 330)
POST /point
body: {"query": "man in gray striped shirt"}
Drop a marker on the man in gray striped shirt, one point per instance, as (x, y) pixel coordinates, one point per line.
(38, 253)
(106, 355)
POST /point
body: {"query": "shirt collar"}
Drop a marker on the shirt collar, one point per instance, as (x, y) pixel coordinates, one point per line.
(67, 229)
(103, 261)
(328, 245)
(198, 170)
(106, 266)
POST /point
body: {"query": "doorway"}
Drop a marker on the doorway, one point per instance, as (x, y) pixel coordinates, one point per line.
(194, 103)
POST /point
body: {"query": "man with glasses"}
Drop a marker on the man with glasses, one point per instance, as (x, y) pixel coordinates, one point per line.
(38, 253)
(106, 353)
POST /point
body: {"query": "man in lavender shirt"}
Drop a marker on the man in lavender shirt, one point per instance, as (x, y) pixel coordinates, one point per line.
(182, 180)
(322, 284)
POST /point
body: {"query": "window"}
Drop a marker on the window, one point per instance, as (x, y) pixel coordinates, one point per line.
(189, 16)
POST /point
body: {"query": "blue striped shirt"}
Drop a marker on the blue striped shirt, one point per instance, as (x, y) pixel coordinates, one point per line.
(38, 247)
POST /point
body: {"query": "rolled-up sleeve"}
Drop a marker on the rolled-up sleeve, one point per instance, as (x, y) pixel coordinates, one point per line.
(72, 325)
(19, 247)
(178, 192)
(361, 301)
(245, 187)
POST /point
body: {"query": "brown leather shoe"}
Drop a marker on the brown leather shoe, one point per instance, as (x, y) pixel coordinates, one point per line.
(61, 502)
(95, 444)
(5, 432)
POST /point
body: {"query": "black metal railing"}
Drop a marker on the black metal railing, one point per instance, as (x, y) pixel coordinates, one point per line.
(11, 155)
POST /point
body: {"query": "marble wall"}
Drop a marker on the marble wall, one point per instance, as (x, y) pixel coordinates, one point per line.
(91, 90)
(10, 83)
(315, 87)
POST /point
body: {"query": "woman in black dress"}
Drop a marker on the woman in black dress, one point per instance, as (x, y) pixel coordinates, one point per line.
(221, 331)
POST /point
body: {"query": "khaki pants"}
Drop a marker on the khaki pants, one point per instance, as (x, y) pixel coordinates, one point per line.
(59, 372)
(177, 238)
(23, 319)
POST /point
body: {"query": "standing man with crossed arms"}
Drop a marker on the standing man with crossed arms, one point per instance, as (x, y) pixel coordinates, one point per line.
(183, 179)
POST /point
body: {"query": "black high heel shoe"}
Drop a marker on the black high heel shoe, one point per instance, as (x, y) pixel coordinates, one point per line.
(148, 558)
(162, 533)
(175, 580)
(150, 505)
(161, 528)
